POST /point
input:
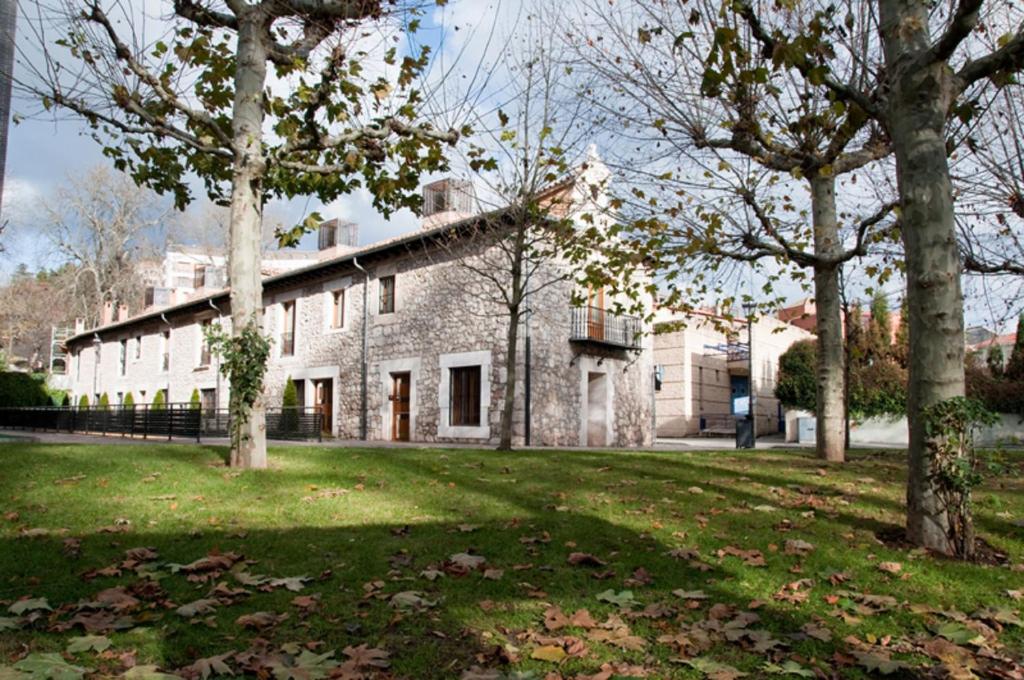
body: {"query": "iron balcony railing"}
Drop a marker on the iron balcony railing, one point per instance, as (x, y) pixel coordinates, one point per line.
(597, 325)
(170, 420)
(737, 351)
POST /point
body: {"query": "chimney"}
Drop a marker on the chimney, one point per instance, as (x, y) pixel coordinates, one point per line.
(446, 201)
(122, 312)
(336, 237)
(79, 326)
(107, 315)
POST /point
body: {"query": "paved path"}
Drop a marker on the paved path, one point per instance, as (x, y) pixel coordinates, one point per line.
(662, 444)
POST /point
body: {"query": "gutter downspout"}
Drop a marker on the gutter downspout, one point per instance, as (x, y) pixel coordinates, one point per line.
(364, 369)
(97, 344)
(216, 398)
(167, 394)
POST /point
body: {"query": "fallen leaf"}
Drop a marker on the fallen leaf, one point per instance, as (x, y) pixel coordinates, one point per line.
(96, 643)
(550, 653)
(581, 559)
(49, 666)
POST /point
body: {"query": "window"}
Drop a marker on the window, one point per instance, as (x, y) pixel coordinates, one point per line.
(123, 357)
(328, 236)
(288, 329)
(659, 377)
(337, 309)
(138, 346)
(199, 276)
(387, 294)
(204, 345)
(465, 396)
(165, 350)
(78, 365)
(120, 398)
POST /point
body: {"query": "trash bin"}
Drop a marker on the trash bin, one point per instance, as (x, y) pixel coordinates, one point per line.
(744, 433)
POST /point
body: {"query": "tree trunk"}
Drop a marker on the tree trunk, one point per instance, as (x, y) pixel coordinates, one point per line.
(515, 307)
(831, 414)
(919, 100)
(512, 375)
(250, 449)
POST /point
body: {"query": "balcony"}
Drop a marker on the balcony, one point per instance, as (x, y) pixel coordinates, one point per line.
(737, 357)
(287, 344)
(156, 296)
(600, 327)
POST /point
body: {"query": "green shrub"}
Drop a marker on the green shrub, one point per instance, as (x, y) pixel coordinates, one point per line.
(195, 401)
(104, 401)
(159, 403)
(83, 402)
(129, 400)
(290, 407)
(21, 389)
(797, 383)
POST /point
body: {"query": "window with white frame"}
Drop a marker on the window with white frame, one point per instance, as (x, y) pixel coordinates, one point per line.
(464, 396)
(204, 344)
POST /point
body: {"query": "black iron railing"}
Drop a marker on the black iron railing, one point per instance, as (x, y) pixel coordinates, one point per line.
(168, 421)
(594, 324)
(737, 351)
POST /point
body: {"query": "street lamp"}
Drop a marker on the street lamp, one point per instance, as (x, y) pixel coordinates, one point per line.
(748, 309)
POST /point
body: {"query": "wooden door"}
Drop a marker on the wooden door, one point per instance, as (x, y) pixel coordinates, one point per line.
(595, 314)
(324, 401)
(400, 416)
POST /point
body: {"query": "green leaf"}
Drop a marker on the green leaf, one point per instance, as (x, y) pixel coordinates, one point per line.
(96, 643)
(22, 606)
(879, 664)
(960, 634)
(622, 599)
(713, 669)
(788, 668)
(7, 623)
(50, 666)
(149, 672)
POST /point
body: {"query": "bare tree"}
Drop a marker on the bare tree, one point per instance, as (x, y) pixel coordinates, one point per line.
(720, 157)
(200, 99)
(100, 224)
(528, 159)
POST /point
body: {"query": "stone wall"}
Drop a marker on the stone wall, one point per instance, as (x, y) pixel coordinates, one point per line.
(445, 315)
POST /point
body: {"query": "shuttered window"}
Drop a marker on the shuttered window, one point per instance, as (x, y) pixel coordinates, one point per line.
(465, 396)
(387, 294)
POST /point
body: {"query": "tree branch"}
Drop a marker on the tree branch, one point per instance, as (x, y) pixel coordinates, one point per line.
(124, 54)
(963, 22)
(1008, 57)
(842, 91)
(204, 16)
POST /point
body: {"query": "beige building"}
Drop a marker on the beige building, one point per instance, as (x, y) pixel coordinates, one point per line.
(702, 373)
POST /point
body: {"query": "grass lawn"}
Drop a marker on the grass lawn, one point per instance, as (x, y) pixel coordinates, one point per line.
(473, 564)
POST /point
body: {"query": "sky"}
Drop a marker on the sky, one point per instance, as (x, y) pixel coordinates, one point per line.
(43, 152)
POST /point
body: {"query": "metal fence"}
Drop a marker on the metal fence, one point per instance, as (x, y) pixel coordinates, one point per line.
(172, 420)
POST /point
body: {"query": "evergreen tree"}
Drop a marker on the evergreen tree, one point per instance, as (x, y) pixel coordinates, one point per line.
(159, 402)
(290, 407)
(995, 361)
(83, 402)
(901, 350)
(1015, 366)
(195, 401)
(129, 401)
(879, 329)
(104, 401)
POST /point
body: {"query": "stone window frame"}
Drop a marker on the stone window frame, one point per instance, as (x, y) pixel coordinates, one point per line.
(344, 286)
(483, 359)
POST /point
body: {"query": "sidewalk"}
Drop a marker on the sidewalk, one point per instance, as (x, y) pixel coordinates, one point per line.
(662, 444)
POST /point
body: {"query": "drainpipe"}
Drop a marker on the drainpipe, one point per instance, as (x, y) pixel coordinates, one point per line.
(96, 344)
(526, 382)
(216, 391)
(364, 369)
(168, 391)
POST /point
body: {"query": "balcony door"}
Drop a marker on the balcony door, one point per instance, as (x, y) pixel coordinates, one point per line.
(595, 313)
(400, 415)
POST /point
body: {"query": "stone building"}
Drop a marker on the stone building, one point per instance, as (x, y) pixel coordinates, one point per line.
(393, 341)
(703, 368)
